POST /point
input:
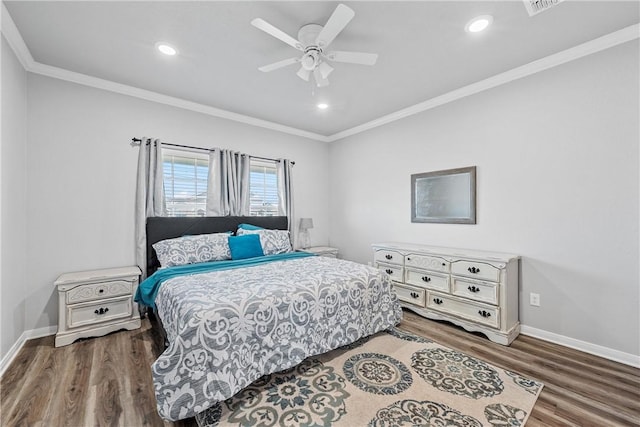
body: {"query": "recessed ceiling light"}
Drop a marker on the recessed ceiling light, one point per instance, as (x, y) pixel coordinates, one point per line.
(323, 106)
(166, 49)
(478, 23)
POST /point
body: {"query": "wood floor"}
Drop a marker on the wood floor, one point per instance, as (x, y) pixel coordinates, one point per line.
(106, 381)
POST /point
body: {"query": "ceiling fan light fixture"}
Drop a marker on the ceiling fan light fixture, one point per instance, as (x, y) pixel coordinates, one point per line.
(166, 49)
(325, 69)
(479, 23)
(303, 73)
(309, 60)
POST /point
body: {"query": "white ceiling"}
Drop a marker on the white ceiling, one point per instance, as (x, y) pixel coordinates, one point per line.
(423, 50)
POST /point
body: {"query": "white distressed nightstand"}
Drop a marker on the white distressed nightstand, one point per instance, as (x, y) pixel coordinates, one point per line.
(94, 303)
(326, 251)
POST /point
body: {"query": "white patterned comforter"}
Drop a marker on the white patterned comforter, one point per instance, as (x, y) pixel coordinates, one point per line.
(228, 328)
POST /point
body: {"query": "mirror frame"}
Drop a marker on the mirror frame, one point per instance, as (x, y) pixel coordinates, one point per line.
(469, 201)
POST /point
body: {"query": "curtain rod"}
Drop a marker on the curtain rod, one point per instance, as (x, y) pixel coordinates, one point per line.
(138, 141)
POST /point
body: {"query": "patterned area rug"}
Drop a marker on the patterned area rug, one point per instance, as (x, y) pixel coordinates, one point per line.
(390, 379)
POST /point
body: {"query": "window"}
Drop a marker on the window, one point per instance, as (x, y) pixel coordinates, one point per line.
(185, 182)
(263, 188)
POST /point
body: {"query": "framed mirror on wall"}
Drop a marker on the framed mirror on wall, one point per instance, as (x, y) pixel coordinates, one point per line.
(446, 196)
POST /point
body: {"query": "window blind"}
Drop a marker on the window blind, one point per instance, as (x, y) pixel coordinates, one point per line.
(185, 183)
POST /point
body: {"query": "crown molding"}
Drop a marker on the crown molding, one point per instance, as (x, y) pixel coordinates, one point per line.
(14, 38)
(16, 42)
(605, 42)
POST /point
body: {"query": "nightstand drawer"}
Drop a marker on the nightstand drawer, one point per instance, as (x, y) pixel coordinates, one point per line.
(96, 291)
(103, 311)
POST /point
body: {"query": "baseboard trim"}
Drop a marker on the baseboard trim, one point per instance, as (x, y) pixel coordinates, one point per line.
(596, 350)
(24, 337)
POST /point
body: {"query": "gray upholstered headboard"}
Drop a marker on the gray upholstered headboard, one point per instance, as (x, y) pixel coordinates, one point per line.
(161, 228)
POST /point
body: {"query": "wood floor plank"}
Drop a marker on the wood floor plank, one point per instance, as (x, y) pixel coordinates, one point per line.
(107, 381)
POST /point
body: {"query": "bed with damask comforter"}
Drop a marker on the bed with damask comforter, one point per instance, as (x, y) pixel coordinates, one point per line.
(236, 321)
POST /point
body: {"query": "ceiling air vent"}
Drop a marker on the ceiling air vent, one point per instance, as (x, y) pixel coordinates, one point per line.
(536, 6)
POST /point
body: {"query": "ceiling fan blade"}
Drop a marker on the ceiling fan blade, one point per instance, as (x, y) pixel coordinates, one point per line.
(303, 73)
(321, 81)
(275, 32)
(279, 64)
(353, 57)
(336, 23)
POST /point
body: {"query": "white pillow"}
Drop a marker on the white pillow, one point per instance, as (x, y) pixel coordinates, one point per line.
(273, 241)
(193, 249)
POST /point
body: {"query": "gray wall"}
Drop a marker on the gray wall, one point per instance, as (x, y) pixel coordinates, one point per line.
(82, 177)
(13, 179)
(557, 179)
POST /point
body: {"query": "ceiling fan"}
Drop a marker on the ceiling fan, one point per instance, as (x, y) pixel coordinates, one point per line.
(313, 40)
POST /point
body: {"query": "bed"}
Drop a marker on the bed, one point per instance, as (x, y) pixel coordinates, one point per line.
(229, 322)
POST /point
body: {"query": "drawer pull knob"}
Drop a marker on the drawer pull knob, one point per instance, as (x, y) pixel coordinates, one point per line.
(102, 310)
(414, 295)
(473, 270)
(473, 289)
(387, 256)
(437, 301)
(484, 313)
(426, 279)
(408, 258)
(101, 290)
(389, 271)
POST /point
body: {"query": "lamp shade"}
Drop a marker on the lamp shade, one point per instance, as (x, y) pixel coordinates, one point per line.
(306, 223)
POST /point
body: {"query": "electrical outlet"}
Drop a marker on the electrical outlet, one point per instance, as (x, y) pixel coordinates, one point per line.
(534, 299)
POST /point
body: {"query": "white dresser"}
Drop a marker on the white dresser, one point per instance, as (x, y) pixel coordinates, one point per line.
(473, 289)
(94, 303)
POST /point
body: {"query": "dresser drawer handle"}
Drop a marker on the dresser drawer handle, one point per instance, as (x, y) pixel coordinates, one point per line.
(101, 290)
(101, 311)
(426, 279)
(473, 270)
(414, 295)
(389, 271)
(387, 256)
(437, 301)
(484, 313)
(473, 289)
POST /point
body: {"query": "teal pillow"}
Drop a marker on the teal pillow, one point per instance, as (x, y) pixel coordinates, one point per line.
(246, 246)
(249, 227)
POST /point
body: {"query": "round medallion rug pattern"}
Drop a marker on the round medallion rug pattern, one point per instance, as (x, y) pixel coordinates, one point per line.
(391, 379)
(377, 373)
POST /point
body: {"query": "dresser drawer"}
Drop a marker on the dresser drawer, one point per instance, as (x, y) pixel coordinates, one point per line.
(477, 270)
(96, 291)
(475, 289)
(427, 279)
(411, 295)
(394, 271)
(427, 262)
(103, 311)
(389, 257)
(476, 312)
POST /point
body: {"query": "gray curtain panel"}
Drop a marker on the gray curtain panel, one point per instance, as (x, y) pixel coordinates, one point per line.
(149, 194)
(284, 169)
(228, 183)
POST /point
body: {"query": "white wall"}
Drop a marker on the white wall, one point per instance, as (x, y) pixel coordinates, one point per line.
(81, 177)
(557, 182)
(13, 179)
